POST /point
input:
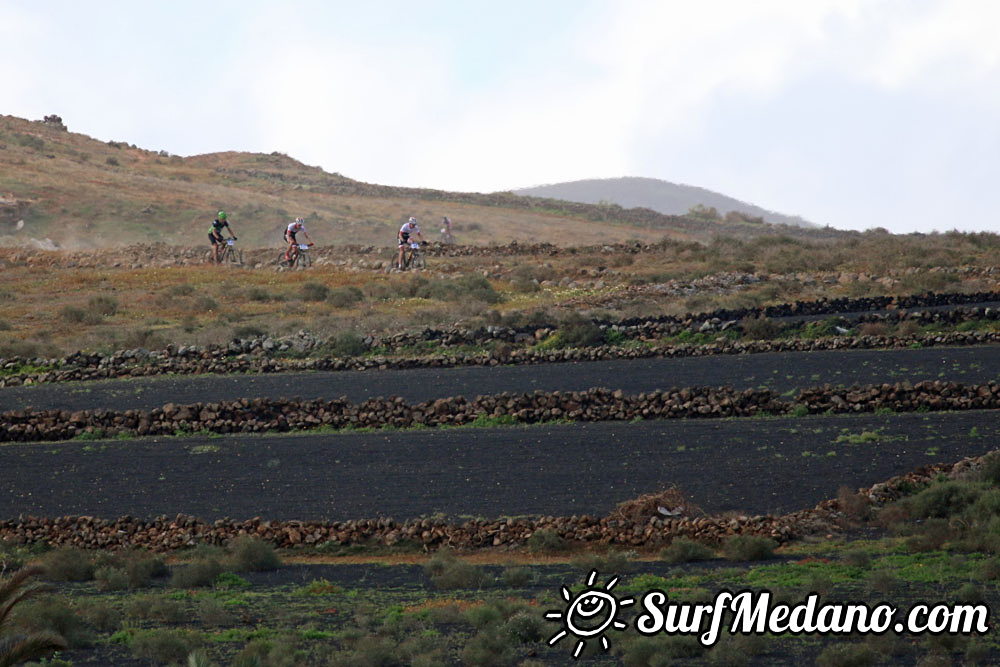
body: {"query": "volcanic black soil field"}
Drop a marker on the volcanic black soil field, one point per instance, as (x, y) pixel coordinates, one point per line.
(750, 465)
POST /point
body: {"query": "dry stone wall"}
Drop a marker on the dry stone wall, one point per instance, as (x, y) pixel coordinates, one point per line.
(258, 415)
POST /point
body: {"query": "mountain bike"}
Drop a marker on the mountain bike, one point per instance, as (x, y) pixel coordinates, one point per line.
(231, 254)
(301, 259)
(413, 258)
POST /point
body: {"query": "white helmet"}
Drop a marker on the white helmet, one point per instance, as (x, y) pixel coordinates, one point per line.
(412, 220)
(299, 220)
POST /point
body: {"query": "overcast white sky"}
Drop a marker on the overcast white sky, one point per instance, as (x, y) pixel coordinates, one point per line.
(851, 113)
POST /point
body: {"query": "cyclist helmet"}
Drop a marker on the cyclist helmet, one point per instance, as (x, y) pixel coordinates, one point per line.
(412, 220)
(222, 215)
(300, 221)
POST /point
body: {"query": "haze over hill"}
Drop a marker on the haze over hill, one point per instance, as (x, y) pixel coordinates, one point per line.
(662, 196)
(79, 192)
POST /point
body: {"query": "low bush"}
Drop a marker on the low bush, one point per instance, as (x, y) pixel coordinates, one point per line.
(110, 579)
(943, 499)
(164, 646)
(314, 292)
(213, 614)
(345, 297)
(156, 608)
(748, 547)
(347, 344)
(100, 615)
(684, 550)
(448, 572)
(102, 305)
(546, 540)
(577, 331)
(54, 614)
(198, 574)
(76, 315)
(68, 564)
(250, 554)
(760, 328)
(517, 576)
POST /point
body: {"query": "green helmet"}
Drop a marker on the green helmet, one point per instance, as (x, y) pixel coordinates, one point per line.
(222, 215)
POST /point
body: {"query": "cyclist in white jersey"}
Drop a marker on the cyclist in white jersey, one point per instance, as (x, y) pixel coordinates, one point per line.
(294, 228)
(409, 227)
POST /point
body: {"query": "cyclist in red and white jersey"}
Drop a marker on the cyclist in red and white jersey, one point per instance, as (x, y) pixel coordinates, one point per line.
(294, 228)
(409, 228)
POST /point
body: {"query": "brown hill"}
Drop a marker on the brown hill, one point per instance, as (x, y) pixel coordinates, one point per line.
(65, 189)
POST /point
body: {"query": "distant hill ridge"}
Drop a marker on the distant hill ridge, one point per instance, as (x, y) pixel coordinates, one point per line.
(661, 196)
(61, 189)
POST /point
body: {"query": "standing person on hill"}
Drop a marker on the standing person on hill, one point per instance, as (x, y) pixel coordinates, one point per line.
(294, 228)
(409, 227)
(215, 233)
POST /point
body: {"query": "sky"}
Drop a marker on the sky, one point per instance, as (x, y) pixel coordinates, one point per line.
(850, 113)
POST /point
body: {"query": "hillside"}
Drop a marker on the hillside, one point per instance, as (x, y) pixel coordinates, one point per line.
(80, 192)
(662, 196)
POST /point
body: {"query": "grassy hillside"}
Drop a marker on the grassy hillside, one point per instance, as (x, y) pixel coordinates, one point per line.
(80, 192)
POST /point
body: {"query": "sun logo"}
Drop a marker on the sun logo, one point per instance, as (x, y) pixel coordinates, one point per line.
(589, 614)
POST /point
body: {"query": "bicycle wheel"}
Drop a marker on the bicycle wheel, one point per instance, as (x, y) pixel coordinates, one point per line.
(302, 261)
(418, 261)
(234, 256)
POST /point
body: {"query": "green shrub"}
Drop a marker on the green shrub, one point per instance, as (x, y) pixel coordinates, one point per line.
(760, 328)
(156, 608)
(943, 500)
(989, 472)
(99, 614)
(75, 315)
(345, 297)
(68, 564)
(103, 305)
(546, 540)
(448, 572)
(141, 568)
(524, 627)
(198, 574)
(204, 304)
(164, 646)
(577, 331)
(347, 344)
(748, 547)
(314, 292)
(258, 294)
(517, 576)
(882, 581)
(54, 614)
(684, 550)
(488, 648)
(213, 614)
(465, 288)
(250, 554)
(110, 579)
(180, 290)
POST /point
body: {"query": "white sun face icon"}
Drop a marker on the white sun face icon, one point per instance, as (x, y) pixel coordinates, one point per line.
(589, 614)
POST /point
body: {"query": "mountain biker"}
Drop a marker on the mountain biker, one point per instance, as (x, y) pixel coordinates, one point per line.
(215, 233)
(446, 230)
(294, 228)
(409, 227)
